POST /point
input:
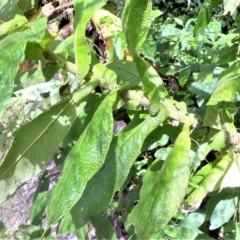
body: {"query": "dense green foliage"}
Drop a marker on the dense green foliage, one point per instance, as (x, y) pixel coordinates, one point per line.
(169, 70)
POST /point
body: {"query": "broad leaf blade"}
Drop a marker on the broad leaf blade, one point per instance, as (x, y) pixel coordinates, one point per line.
(83, 161)
(156, 207)
(35, 143)
(227, 88)
(84, 10)
(12, 49)
(123, 151)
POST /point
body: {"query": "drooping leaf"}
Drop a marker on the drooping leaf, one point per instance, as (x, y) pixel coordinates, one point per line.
(84, 10)
(155, 210)
(123, 151)
(83, 161)
(12, 50)
(36, 142)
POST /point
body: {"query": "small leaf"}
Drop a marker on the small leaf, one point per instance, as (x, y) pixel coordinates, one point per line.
(223, 212)
(104, 229)
(204, 18)
(227, 87)
(40, 200)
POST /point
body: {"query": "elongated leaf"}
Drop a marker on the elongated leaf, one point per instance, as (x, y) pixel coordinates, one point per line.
(227, 88)
(12, 50)
(36, 142)
(84, 10)
(207, 184)
(83, 161)
(136, 23)
(156, 209)
(100, 189)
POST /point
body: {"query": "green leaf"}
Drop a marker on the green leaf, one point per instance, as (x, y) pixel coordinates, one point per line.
(83, 161)
(9, 10)
(171, 32)
(155, 209)
(207, 184)
(83, 233)
(123, 151)
(12, 49)
(204, 18)
(104, 229)
(126, 73)
(40, 200)
(193, 221)
(84, 10)
(36, 142)
(107, 77)
(136, 23)
(227, 88)
(223, 212)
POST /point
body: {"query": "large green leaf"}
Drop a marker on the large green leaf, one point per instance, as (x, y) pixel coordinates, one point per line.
(100, 189)
(227, 88)
(156, 207)
(83, 161)
(136, 23)
(84, 10)
(36, 142)
(12, 50)
(8, 10)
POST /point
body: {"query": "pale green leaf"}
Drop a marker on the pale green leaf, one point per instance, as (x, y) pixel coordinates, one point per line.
(84, 10)
(207, 185)
(204, 18)
(227, 88)
(223, 212)
(156, 208)
(83, 161)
